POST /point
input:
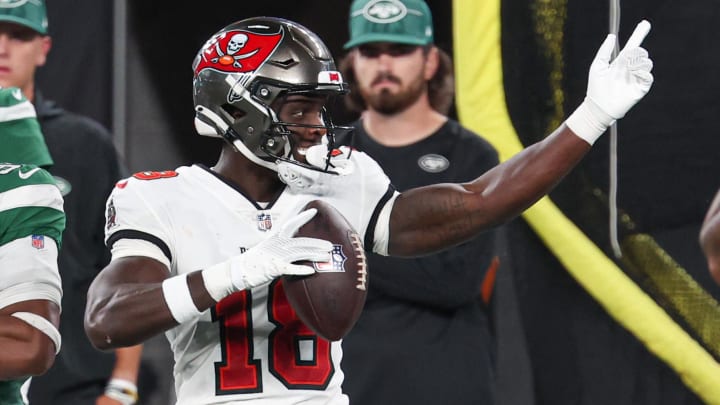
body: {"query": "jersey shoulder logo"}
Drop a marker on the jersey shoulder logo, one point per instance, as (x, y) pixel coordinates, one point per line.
(6, 168)
(26, 175)
(110, 216)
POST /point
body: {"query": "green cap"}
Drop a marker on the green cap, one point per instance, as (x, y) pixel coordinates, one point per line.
(399, 21)
(20, 136)
(30, 13)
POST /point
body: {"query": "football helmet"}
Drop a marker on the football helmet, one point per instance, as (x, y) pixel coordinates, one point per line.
(246, 66)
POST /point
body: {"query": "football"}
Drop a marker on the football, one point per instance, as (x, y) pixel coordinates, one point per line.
(330, 300)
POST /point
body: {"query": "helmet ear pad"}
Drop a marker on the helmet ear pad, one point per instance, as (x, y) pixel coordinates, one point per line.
(263, 138)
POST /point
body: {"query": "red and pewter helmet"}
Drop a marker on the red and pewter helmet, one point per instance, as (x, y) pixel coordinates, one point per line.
(242, 69)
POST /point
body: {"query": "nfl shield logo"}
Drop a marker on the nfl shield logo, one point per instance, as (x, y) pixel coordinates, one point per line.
(336, 263)
(38, 241)
(264, 221)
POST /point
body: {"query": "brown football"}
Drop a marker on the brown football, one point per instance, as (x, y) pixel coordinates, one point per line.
(330, 300)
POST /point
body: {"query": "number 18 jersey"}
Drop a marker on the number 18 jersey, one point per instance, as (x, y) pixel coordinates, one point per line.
(251, 347)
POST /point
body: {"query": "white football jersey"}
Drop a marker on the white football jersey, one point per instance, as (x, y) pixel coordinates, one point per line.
(251, 347)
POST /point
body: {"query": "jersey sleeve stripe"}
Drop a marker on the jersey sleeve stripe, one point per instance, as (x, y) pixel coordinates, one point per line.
(24, 221)
(133, 234)
(18, 111)
(34, 195)
(370, 232)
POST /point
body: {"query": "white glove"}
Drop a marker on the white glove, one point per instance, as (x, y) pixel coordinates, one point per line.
(267, 260)
(308, 181)
(613, 87)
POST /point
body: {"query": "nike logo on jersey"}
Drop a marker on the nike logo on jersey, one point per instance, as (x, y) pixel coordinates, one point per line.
(27, 174)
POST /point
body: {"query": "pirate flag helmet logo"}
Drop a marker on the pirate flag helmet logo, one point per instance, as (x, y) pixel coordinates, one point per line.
(237, 51)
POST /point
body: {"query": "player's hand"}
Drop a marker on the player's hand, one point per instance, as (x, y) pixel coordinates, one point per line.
(617, 86)
(614, 87)
(307, 181)
(274, 256)
(271, 258)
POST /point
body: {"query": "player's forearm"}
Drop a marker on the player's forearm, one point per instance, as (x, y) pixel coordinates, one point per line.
(509, 189)
(127, 363)
(127, 304)
(28, 338)
(429, 219)
(24, 350)
(121, 387)
(127, 317)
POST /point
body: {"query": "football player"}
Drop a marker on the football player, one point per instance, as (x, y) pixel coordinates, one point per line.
(197, 251)
(31, 225)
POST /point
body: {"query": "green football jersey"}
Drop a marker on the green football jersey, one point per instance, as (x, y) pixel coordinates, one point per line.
(30, 204)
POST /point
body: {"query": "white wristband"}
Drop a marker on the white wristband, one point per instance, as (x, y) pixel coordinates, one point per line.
(589, 121)
(218, 281)
(177, 296)
(123, 391)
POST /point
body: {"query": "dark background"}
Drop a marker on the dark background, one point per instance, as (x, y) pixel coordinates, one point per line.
(163, 37)
(668, 160)
(670, 137)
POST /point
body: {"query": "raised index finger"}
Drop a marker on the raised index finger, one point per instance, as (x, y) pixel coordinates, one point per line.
(638, 35)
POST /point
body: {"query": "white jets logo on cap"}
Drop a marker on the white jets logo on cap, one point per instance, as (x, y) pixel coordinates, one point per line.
(384, 11)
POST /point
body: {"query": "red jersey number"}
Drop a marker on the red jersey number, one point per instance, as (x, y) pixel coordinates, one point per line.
(297, 357)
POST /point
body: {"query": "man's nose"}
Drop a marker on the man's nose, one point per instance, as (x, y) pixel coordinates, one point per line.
(385, 62)
(319, 128)
(4, 39)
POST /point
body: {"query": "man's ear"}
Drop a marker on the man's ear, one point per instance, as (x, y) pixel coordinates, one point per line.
(44, 49)
(432, 60)
(354, 53)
